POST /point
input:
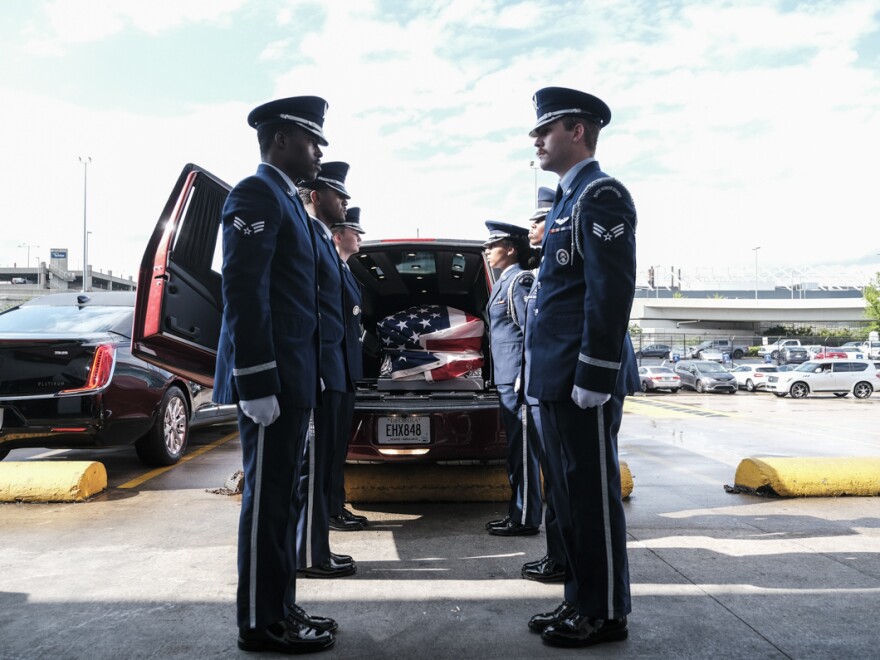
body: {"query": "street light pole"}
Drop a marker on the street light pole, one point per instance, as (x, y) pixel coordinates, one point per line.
(755, 250)
(85, 160)
(25, 245)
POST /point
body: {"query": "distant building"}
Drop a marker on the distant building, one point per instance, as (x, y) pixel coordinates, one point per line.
(18, 284)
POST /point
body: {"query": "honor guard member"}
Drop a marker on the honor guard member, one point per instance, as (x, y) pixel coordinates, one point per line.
(325, 199)
(347, 239)
(507, 250)
(267, 362)
(550, 567)
(582, 365)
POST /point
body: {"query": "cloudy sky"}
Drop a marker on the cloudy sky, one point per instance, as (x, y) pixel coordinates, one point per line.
(735, 124)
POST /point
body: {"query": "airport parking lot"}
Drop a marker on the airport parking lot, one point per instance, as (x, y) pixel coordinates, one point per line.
(148, 568)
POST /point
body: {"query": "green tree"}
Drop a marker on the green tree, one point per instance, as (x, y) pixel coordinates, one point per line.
(872, 302)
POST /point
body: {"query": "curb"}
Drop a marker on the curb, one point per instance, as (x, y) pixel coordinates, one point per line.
(438, 483)
(51, 481)
(810, 477)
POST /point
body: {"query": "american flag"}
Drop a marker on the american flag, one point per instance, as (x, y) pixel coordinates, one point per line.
(432, 342)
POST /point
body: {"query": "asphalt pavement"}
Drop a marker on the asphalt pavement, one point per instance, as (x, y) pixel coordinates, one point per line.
(147, 569)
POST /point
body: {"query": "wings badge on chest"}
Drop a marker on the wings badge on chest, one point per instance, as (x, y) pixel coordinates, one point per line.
(608, 234)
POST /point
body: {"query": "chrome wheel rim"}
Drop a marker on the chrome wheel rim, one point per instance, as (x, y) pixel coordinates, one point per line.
(799, 390)
(175, 425)
(862, 391)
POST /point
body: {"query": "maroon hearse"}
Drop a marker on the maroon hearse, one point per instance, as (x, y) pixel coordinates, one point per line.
(179, 308)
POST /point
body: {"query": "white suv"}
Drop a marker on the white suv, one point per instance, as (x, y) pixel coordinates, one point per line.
(837, 376)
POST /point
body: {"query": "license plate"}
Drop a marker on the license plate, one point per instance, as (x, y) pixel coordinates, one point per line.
(404, 430)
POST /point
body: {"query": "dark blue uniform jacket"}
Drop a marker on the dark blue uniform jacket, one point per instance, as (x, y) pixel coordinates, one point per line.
(507, 309)
(330, 301)
(353, 328)
(269, 335)
(584, 290)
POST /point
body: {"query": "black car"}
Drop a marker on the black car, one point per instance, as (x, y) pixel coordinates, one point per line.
(793, 355)
(455, 420)
(654, 351)
(68, 379)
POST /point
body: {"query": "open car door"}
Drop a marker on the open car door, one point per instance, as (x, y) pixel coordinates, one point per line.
(179, 298)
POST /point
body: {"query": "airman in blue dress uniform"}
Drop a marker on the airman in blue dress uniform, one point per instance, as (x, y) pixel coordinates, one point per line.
(507, 249)
(267, 362)
(347, 238)
(325, 199)
(582, 364)
(550, 567)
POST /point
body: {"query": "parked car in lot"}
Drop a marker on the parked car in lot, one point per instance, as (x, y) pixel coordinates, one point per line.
(772, 349)
(871, 349)
(705, 376)
(828, 353)
(853, 352)
(837, 376)
(792, 355)
(718, 346)
(663, 351)
(659, 378)
(752, 377)
(68, 379)
(179, 309)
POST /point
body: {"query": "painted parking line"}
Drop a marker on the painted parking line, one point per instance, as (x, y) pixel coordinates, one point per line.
(152, 474)
(652, 408)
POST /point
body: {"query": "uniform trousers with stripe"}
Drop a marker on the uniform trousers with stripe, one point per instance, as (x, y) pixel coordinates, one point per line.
(589, 505)
(313, 527)
(271, 459)
(337, 471)
(551, 470)
(523, 465)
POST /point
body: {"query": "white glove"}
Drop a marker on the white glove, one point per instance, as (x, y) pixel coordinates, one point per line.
(263, 411)
(516, 385)
(588, 398)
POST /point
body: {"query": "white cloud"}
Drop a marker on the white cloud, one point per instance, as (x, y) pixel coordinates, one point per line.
(730, 122)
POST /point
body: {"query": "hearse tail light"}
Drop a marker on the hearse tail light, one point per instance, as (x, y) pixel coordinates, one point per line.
(100, 371)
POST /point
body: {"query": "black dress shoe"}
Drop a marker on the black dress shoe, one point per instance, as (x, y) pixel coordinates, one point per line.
(581, 630)
(340, 524)
(540, 621)
(547, 570)
(342, 559)
(285, 637)
(297, 615)
(513, 529)
(497, 523)
(348, 515)
(533, 564)
(329, 569)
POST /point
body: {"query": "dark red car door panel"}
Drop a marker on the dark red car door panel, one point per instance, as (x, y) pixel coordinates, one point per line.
(179, 299)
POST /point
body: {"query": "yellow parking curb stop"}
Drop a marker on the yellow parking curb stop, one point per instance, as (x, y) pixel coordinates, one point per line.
(626, 480)
(51, 481)
(810, 477)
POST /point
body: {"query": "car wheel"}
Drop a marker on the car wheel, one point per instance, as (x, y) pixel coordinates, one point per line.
(166, 441)
(733, 391)
(699, 355)
(841, 395)
(780, 394)
(638, 355)
(644, 386)
(698, 386)
(863, 390)
(799, 390)
(674, 390)
(750, 385)
(737, 355)
(774, 354)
